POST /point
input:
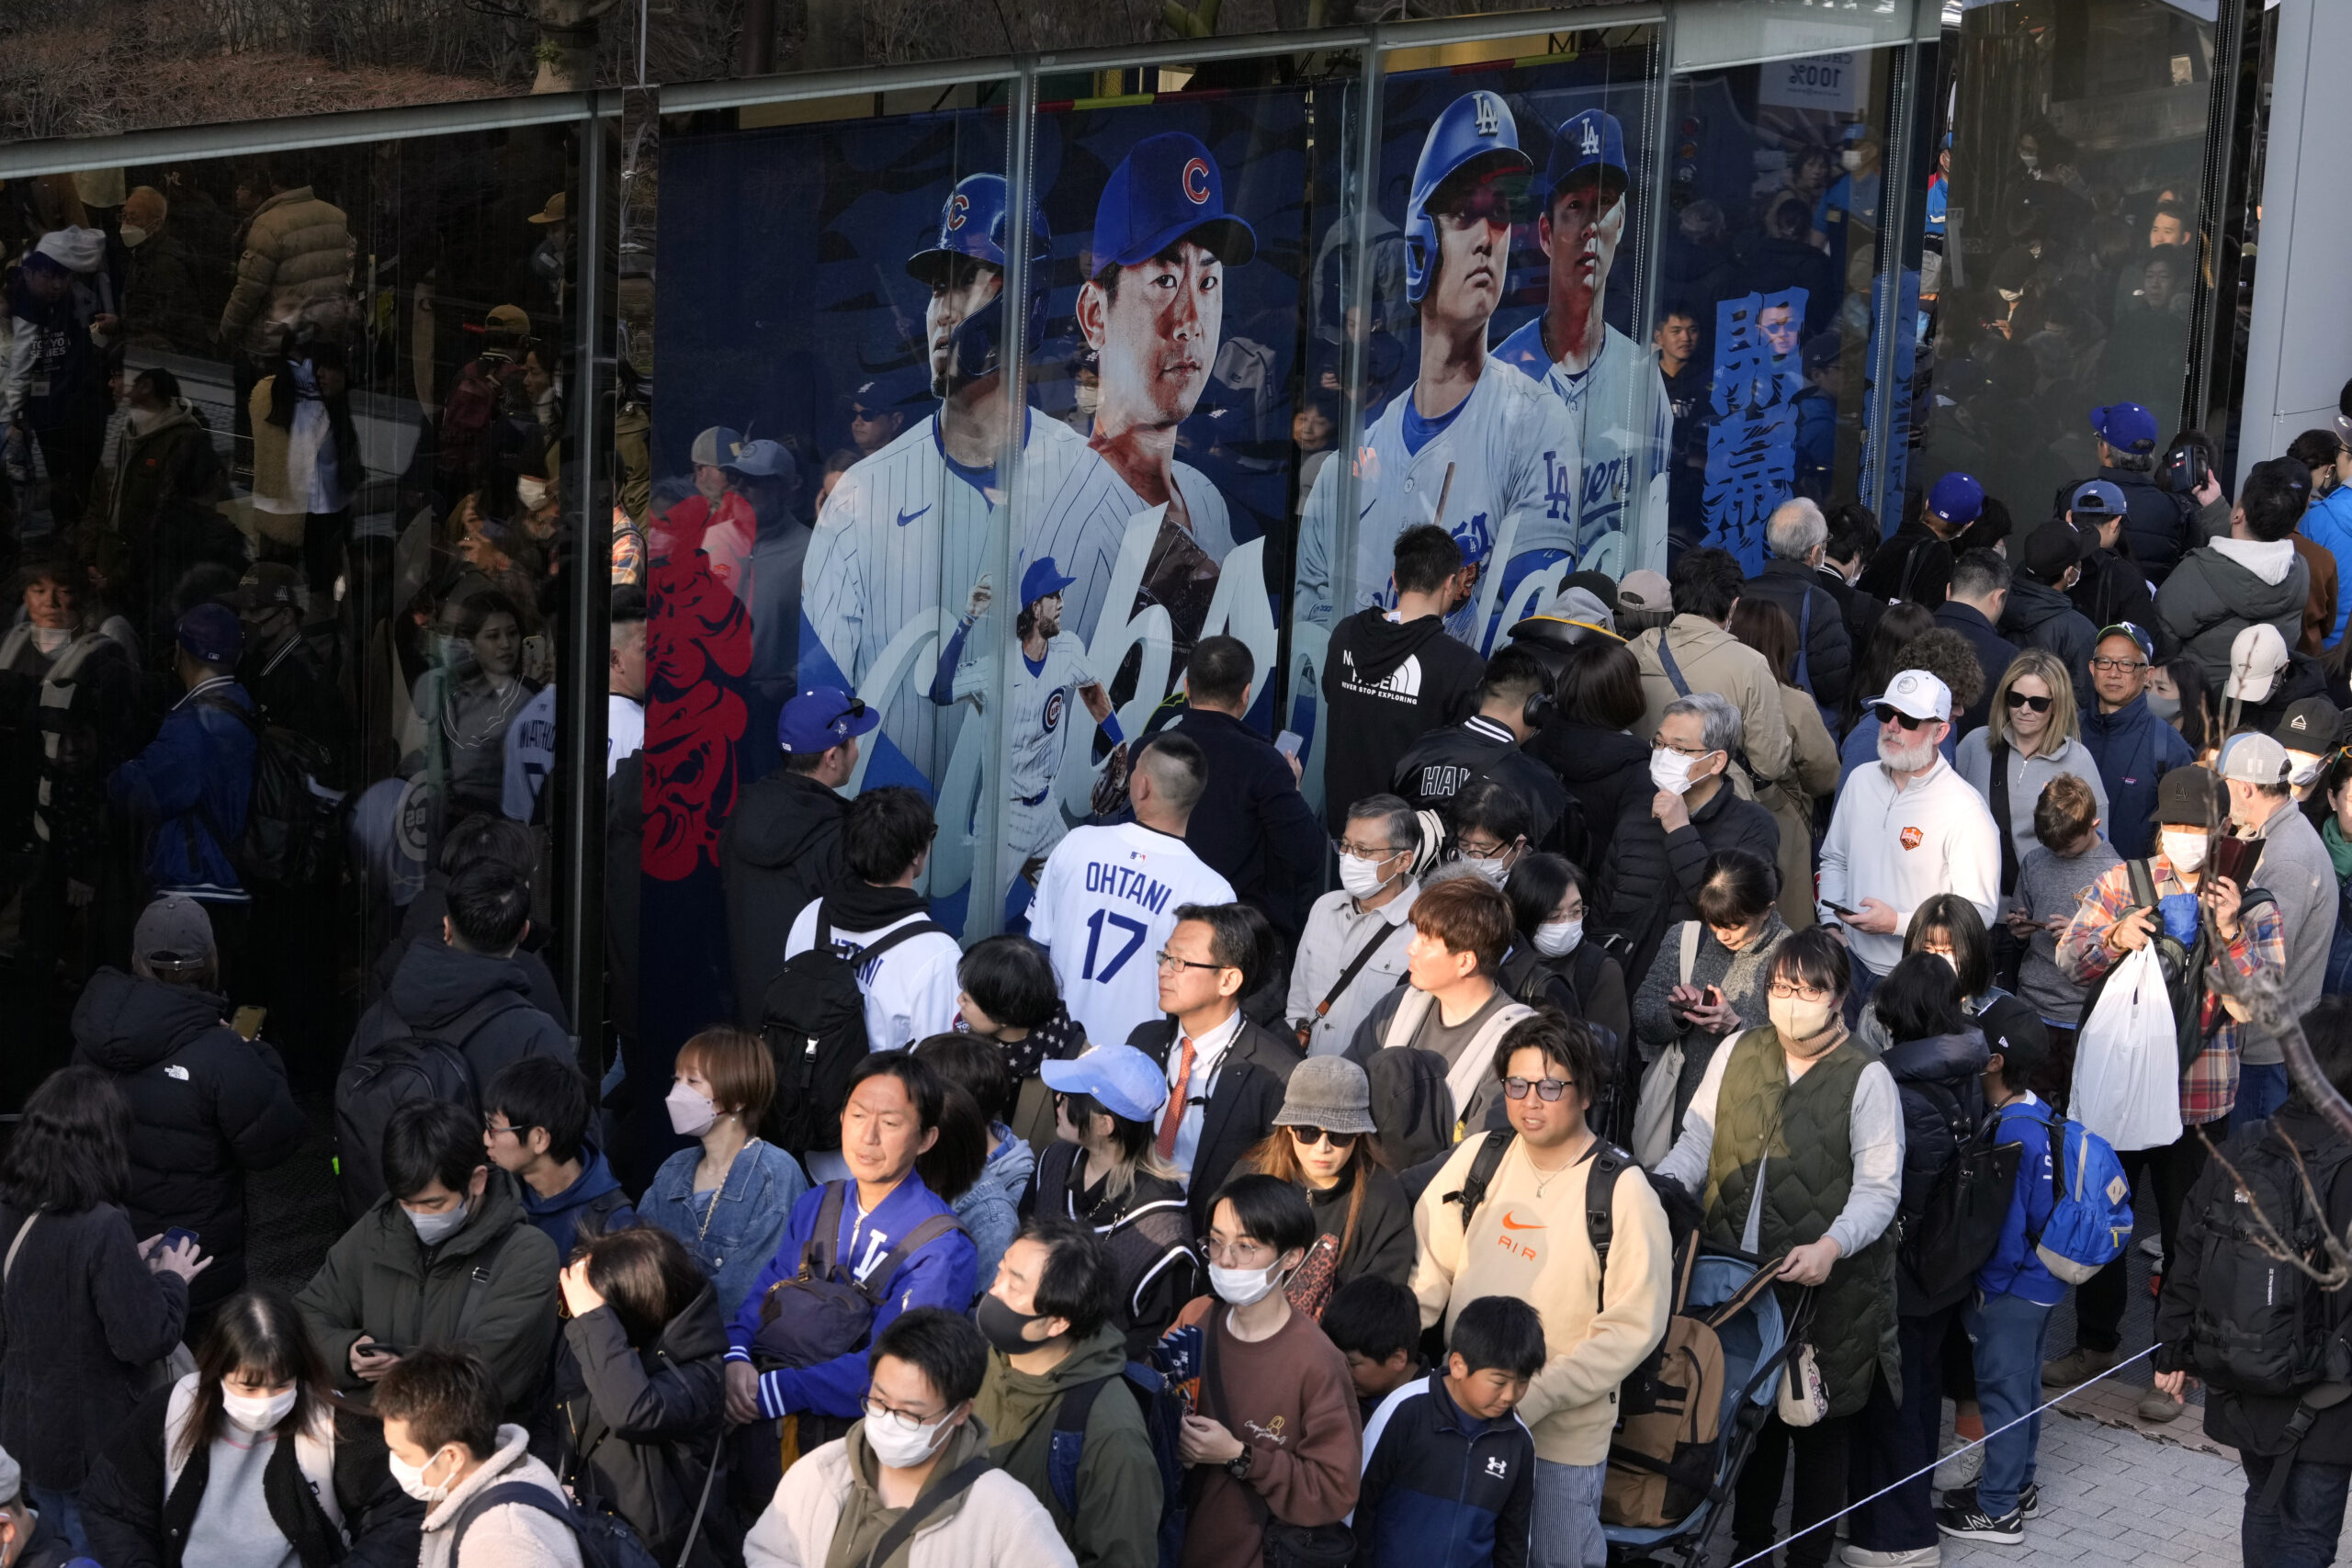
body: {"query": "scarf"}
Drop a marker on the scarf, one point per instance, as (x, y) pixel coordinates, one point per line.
(2338, 851)
(864, 1517)
(1057, 1039)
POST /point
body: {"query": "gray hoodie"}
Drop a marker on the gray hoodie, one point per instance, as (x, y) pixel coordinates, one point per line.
(2217, 592)
(2029, 776)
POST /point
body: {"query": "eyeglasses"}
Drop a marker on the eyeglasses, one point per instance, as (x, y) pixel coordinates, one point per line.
(904, 1420)
(2038, 704)
(1491, 851)
(1170, 961)
(1546, 1090)
(1660, 743)
(1243, 1251)
(1790, 990)
(1887, 713)
(2118, 666)
(500, 1129)
(1363, 852)
(1311, 1137)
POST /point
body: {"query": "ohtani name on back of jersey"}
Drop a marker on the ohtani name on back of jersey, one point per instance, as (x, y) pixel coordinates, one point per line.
(1122, 881)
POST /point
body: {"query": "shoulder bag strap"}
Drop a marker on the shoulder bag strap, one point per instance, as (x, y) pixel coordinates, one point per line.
(1999, 758)
(1910, 563)
(528, 1494)
(1355, 965)
(1608, 1163)
(1690, 948)
(22, 1231)
(1804, 671)
(876, 949)
(1481, 1174)
(825, 1237)
(875, 1286)
(953, 1484)
(1673, 671)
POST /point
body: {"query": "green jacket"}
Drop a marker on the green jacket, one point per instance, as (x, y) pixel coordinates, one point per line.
(378, 1279)
(1118, 1480)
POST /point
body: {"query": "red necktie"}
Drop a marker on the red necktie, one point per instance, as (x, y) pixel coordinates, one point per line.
(1173, 1117)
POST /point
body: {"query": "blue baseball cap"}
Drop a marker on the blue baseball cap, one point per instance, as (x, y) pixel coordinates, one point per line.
(761, 459)
(2127, 427)
(211, 633)
(1167, 188)
(1043, 578)
(1590, 140)
(820, 719)
(2097, 498)
(1957, 498)
(1126, 1082)
(715, 446)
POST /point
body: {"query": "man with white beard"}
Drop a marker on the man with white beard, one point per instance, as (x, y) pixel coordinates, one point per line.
(1904, 830)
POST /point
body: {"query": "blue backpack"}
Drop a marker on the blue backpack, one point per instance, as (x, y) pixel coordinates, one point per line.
(2090, 1223)
(1163, 1420)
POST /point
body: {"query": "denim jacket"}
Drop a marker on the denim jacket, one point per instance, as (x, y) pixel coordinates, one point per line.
(733, 1236)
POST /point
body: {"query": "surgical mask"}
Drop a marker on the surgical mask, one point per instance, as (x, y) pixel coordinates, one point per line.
(2030, 159)
(434, 1229)
(411, 1479)
(692, 1113)
(1361, 878)
(1557, 939)
(2306, 769)
(900, 1447)
(1670, 771)
(2165, 707)
(258, 1414)
(1005, 1329)
(2185, 850)
(1241, 1287)
(1089, 398)
(1495, 869)
(133, 236)
(1852, 158)
(50, 639)
(531, 492)
(1798, 1021)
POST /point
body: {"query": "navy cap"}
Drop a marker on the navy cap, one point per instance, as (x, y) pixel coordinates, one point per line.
(1957, 498)
(1123, 1080)
(1042, 579)
(820, 719)
(2138, 635)
(2053, 549)
(2098, 498)
(1166, 190)
(2127, 427)
(761, 459)
(1589, 140)
(211, 633)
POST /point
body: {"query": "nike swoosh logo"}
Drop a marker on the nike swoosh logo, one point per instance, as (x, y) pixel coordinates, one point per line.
(907, 517)
(1511, 1224)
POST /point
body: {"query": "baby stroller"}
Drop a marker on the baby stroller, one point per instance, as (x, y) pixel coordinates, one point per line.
(1731, 1295)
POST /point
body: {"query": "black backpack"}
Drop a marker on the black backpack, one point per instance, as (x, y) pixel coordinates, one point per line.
(2261, 1325)
(814, 1021)
(292, 821)
(401, 1067)
(824, 1311)
(1961, 1224)
(606, 1540)
(2183, 962)
(1412, 1107)
(1163, 1422)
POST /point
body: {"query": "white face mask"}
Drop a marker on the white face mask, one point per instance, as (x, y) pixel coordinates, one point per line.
(1240, 1286)
(1495, 869)
(691, 1112)
(1557, 939)
(258, 1414)
(1670, 771)
(897, 1447)
(1361, 878)
(434, 1229)
(133, 235)
(2306, 769)
(2185, 850)
(1798, 1021)
(531, 492)
(1852, 158)
(412, 1478)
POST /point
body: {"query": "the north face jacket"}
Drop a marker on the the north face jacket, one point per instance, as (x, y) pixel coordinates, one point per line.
(1385, 684)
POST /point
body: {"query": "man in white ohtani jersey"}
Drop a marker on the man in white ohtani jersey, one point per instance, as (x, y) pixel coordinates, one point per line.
(1613, 391)
(923, 511)
(1499, 453)
(906, 964)
(1053, 666)
(1107, 901)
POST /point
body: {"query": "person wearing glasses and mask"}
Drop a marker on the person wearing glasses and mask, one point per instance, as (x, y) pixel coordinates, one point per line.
(1351, 954)
(916, 1470)
(1323, 1144)
(1658, 858)
(1598, 1325)
(2134, 745)
(1904, 830)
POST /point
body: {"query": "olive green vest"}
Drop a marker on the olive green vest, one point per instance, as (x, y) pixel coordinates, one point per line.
(1800, 1136)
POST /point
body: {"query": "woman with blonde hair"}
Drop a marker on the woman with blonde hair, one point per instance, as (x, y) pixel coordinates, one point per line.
(2035, 734)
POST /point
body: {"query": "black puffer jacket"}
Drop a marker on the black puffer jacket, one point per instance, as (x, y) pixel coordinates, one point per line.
(1651, 875)
(781, 848)
(1606, 770)
(207, 1105)
(1939, 1081)
(436, 984)
(1827, 646)
(638, 1425)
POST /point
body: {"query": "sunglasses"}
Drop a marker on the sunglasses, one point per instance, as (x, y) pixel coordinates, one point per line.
(1887, 713)
(1311, 1137)
(1545, 1088)
(2039, 705)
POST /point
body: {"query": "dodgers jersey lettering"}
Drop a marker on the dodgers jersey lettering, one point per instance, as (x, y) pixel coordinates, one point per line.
(1625, 423)
(1511, 506)
(1106, 904)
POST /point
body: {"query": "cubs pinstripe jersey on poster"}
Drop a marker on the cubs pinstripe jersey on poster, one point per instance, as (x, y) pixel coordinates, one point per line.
(1106, 904)
(1618, 406)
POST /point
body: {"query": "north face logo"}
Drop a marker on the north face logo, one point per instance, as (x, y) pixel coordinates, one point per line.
(1401, 684)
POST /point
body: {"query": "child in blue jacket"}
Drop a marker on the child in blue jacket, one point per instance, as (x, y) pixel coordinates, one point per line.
(1449, 1469)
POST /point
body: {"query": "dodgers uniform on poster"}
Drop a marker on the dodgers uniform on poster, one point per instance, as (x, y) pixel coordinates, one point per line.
(1611, 387)
(1509, 446)
(1106, 905)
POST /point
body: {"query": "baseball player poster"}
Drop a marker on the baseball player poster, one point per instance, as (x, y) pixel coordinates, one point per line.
(1525, 416)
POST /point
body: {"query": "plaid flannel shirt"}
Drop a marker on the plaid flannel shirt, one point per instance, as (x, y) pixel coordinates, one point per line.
(2209, 1089)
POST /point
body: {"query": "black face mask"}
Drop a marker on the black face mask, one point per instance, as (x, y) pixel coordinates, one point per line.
(1003, 1327)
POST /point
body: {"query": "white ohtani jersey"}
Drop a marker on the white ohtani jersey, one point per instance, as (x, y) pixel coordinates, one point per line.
(1105, 906)
(909, 991)
(1620, 408)
(1512, 505)
(905, 531)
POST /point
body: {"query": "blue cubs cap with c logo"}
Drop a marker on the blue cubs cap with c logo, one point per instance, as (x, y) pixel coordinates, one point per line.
(1168, 188)
(1042, 579)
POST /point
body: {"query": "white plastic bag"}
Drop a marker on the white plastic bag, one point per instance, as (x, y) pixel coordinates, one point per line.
(2127, 1067)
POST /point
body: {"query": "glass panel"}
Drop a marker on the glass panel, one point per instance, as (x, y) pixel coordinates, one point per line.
(332, 425)
(2071, 252)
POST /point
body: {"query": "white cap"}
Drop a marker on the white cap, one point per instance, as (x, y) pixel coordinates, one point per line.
(2258, 657)
(1918, 693)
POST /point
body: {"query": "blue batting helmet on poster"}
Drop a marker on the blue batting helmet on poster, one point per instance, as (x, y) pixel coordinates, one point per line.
(974, 223)
(1473, 136)
(1591, 142)
(1167, 190)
